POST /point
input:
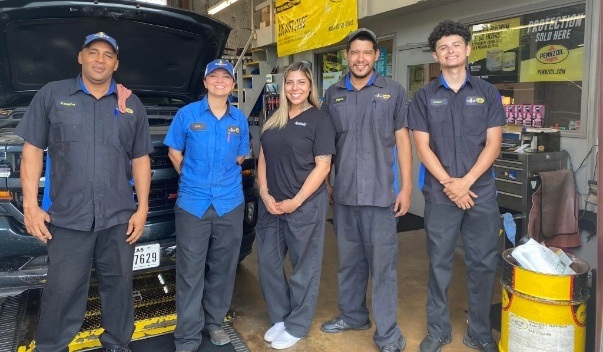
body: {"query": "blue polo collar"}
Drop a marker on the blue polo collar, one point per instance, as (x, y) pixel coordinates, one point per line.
(468, 78)
(350, 87)
(111, 90)
(205, 107)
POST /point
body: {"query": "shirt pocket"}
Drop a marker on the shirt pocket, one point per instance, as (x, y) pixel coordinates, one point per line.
(475, 120)
(197, 144)
(341, 119)
(233, 141)
(383, 118)
(66, 124)
(439, 120)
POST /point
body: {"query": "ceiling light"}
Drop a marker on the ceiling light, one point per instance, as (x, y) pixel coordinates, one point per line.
(220, 6)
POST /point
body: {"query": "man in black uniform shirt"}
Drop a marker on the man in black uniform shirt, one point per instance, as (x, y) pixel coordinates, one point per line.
(94, 149)
(456, 121)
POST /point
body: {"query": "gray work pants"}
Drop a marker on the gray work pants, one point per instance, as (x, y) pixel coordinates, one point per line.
(65, 294)
(367, 243)
(300, 233)
(207, 254)
(479, 228)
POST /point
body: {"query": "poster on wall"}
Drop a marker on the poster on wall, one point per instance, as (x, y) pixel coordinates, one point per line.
(381, 63)
(307, 25)
(494, 50)
(552, 45)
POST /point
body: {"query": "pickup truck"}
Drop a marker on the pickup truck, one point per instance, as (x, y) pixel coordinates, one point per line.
(163, 53)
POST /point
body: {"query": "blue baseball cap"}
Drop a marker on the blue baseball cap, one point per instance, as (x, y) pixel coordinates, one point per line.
(219, 63)
(101, 36)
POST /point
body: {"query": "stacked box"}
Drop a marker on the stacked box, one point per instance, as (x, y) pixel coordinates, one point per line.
(527, 115)
(538, 113)
(519, 114)
(510, 114)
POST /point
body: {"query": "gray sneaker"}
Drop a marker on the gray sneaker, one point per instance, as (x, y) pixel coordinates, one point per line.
(433, 344)
(219, 337)
(484, 347)
(395, 346)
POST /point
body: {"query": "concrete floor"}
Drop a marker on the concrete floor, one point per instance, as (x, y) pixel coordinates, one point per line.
(252, 320)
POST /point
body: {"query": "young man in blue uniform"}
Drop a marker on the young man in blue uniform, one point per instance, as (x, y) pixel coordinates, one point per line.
(89, 211)
(207, 142)
(456, 121)
(369, 115)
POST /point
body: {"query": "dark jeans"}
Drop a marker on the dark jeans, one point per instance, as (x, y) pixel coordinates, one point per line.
(70, 253)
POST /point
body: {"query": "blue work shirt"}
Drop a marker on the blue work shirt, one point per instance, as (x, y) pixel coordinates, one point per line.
(209, 174)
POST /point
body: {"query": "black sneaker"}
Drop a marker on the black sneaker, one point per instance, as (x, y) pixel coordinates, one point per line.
(338, 325)
(484, 347)
(395, 346)
(433, 344)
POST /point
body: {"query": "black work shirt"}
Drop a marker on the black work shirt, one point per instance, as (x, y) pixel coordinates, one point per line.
(90, 146)
(457, 125)
(290, 151)
(365, 121)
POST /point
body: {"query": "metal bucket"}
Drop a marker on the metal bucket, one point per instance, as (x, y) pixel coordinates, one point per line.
(542, 312)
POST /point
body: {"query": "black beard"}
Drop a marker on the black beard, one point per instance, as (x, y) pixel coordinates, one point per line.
(361, 77)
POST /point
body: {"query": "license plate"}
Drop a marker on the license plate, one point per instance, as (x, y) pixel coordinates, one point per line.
(146, 256)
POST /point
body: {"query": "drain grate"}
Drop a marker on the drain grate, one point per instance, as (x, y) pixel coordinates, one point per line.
(10, 310)
(238, 344)
(154, 295)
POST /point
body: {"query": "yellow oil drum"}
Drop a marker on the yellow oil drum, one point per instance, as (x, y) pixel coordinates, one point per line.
(542, 312)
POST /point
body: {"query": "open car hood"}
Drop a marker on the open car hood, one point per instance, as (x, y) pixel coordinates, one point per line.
(163, 51)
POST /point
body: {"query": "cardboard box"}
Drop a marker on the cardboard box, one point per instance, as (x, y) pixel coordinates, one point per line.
(264, 24)
(510, 114)
(538, 115)
(519, 114)
(527, 115)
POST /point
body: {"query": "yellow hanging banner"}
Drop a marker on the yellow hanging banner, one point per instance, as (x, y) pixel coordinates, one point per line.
(303, 25)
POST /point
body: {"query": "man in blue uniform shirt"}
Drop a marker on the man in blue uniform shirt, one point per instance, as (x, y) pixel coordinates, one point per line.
(456, 121)
(89, 210)
(207, 142)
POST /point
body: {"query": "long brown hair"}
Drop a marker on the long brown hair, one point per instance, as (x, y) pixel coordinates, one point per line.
(281, 115)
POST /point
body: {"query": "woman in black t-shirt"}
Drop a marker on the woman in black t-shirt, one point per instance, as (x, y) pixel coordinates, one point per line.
(297, 143)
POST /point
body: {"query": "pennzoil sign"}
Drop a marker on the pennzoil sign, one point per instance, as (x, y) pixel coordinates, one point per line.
(552, 54)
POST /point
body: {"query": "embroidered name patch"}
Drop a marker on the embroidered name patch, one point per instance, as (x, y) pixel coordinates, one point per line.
(473, 101)
(438, 102)
(300, 123)
(67, 104)
(197, 126)
(339, 100)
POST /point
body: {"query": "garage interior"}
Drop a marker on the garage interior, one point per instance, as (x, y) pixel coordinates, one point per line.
(248, 319)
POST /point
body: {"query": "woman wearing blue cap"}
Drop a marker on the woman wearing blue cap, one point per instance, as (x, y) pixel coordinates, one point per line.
(207, 142)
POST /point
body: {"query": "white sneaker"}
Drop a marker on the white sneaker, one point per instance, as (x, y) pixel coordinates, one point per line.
(274, 331)
(284, 340)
